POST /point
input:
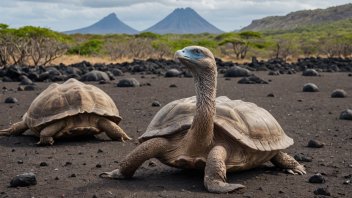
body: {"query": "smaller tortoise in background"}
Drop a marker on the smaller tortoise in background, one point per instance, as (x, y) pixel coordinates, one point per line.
(70, 109)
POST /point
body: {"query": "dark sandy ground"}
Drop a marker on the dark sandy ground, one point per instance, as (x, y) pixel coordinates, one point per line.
(304, 116)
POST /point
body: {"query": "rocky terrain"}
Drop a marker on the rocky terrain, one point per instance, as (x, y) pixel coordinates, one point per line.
(86, 71)
(301, 18)
(319, 122)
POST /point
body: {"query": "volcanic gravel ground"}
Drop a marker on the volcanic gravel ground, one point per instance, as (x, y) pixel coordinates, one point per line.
(73, 166)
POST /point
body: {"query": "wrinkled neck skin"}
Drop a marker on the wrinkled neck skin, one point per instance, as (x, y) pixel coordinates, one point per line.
(200, 135)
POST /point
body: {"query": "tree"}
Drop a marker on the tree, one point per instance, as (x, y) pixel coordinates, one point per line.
(241, 42)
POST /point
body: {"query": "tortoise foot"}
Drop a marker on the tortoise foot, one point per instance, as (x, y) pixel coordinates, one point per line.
(215, 186)
(45, 141)
(115, 174)
(300, 170)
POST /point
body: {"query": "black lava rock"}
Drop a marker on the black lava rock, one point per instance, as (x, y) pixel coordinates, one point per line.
(25, 179)
(27, 88)
(315, 144)
(303, 158)
(310, 87)
(252, 80)
(172, 73)
(274, 73)
(117, 72)
(43, 164)
(346, 115)
(25, 80)
(237, 71)
(156, 104)
(310, 72)
(322, 191)
(317, 179)
(11, 100)
(271, 95)
(95, 76)
(128, 82)
(339, 93)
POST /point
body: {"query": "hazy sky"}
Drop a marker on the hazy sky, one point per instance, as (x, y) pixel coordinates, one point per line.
(228, 15)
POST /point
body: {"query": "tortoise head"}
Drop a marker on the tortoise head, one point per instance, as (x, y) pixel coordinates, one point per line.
(196, 58)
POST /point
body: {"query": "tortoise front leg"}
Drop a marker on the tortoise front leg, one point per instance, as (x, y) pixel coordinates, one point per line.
(215, 172)
(46, 134)
(112, 130)
(152, 148)
(16, 129)
(285, 161)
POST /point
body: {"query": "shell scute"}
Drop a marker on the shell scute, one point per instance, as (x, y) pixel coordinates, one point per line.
(68, 99)
(245, 122)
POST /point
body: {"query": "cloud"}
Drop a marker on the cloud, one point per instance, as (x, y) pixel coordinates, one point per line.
(227, 15)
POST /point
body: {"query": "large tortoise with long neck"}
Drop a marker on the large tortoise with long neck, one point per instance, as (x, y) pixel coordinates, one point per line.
(205, 132)
(70, 109)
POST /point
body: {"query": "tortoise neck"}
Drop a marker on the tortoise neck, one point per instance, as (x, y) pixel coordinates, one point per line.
(202, 129)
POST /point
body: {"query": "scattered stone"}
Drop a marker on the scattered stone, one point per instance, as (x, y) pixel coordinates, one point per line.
(271, 95)
(339, 93)
(43, 164)
(173, 86)
(117, 72)
(11, 100)
(156, 104)
(346, 115)
(19, 162)
(252, 80)
(95, 76)
(27, 88)
(322, 191)
(317, 179)
(72, 175)
(25, 80)
(302, 158)
(68, 164)
(237, 71)
(56, 178)
(100, 151)
(349, 75)
(315, 144)
(274, 73)
(172, 73)
(347, 182)
(128, 82)
(310, 87)
(25, 179)
(310, 72)
(98, 165)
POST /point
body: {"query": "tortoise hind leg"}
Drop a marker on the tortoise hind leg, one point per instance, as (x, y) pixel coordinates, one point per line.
(112, 130)
(46, 134)
(215, 172)
(285, 161)
(16, 129)
(148, 149)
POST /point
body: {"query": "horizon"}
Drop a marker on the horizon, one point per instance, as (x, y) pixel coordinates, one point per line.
(223, 14)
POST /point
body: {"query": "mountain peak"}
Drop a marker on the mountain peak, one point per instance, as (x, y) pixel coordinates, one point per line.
(110, 24)
(183, 21)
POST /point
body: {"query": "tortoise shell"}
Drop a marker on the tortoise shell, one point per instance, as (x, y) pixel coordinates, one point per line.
(245, 122)
(68, 99)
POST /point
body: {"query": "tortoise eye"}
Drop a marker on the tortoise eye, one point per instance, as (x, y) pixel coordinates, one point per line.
(196, 51)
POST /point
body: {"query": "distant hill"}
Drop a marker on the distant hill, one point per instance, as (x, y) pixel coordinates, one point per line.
(301, 18)
(183, 21)
(108, 25)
